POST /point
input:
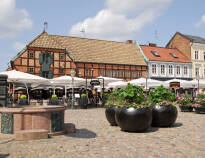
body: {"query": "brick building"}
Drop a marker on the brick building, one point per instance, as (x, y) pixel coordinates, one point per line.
(194, 48)
(52, 56)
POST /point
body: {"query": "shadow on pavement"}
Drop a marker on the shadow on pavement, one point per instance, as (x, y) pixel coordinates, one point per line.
(177, 124)
(149, 130)
(4, 155)
(82, 133)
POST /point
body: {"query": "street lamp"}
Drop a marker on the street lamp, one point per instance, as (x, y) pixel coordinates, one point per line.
(198, 77)
(72, 72)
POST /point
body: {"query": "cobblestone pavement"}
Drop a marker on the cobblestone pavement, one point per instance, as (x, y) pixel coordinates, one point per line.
(95, 138)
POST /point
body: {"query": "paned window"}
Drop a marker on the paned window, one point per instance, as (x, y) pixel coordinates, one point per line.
(178, 70)
(170, 69)
(88, 73)
(31, 70)
(121, 73)
(196, 55)
(162, 69)
(31, 55)
(61, 71)
(197, 72)
(109, 73)
(102, 72)
(127, 74)
(185, 70)
(154, 69)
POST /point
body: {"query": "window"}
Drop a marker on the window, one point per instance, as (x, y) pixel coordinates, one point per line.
(88, 73)
(31, 70)
(121, 73)
(108, 73)
(31, 55)
(62, 57)
(178, 70)
(162, 69)
(170, 69)
(127, 74)
(139, 74)
(114, 73)
(154, 69)
(197, 72)
(155, 53)
(102, 72)
(61, 71)
(185, 70)
(196, 55)
(173, 55)
(45, 74)
(134, 74)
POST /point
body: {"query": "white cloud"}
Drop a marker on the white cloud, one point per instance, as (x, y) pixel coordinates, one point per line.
(18, 46)
(201, 22)
(13, 21)
(120, 19)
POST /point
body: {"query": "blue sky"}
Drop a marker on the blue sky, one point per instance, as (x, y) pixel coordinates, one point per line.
(119, 20)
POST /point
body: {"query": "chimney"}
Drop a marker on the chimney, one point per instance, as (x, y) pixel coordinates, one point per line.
(129, 41)
(152, 45)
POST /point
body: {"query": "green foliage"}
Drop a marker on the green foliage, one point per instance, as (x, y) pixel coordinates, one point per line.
(160, 94)
(54, 96)
(201, 96)
(131, 96)
(199, 102)
(83, 95)
(184, 100)
(23, 97)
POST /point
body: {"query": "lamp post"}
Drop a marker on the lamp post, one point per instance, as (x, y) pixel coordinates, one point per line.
(198, 77)
(147, 75)
(72, 72)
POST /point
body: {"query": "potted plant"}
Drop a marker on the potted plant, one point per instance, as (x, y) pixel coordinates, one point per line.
(164, 113)
(111, 106)
(54, 100)
(185, 103)
(199, 104)
(134, 113)
(83, 101)
(23, 100)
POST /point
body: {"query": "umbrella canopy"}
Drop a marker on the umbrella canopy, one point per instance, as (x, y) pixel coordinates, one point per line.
(66, 80)
(143, 81)
(109, 79)
(118, 84)
(183, 83)
(195, 83)
(17, 76)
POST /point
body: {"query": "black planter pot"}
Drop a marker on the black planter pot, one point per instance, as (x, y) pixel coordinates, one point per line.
(133, 120)
(110, 115)
(200, 110)
(164, 116)
(54, 101)
(185, 108)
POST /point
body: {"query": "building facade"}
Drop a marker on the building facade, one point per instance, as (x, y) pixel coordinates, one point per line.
(194, 48)
(165, 63)
(52, 56)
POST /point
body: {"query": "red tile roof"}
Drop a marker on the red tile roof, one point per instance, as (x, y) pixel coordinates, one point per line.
(164, 54)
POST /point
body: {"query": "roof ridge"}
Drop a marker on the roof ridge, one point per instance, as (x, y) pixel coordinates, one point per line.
(91, 39)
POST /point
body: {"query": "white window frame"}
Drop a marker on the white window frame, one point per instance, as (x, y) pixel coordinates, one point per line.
(187, 73)
(154, 67)
(31, 68)
(178, 74)
(197, 68)
(196, 55)
(164, 69)
(171, 70)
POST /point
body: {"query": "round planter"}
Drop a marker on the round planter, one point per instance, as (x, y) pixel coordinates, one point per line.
(200, 110)
(133, 120)
(185, 108)
(110, 115)
(164, 116)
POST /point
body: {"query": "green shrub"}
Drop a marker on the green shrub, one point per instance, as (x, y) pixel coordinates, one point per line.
(160, 94)
(23, 97)
(201, 96)
(54, 96)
